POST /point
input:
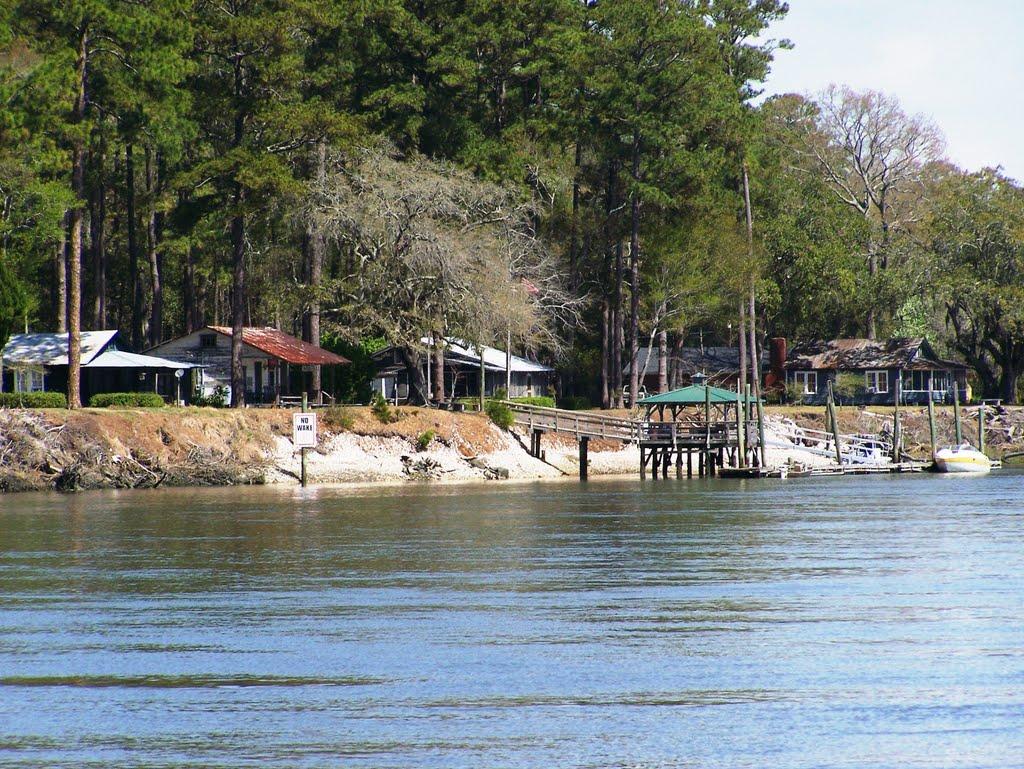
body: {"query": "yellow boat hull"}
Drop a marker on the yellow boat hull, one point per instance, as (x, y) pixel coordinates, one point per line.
(962, 461)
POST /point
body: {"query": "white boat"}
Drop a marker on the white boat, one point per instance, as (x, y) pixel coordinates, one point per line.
(961, 459)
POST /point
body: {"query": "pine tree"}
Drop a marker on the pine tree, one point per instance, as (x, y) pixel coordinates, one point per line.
(255, 121)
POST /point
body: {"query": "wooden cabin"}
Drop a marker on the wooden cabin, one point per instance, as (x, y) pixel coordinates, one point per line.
(277, 365)
(462, 373)
(868, 371)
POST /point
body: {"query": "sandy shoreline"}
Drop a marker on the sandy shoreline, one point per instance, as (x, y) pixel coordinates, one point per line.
(146, 448)
(352, 459)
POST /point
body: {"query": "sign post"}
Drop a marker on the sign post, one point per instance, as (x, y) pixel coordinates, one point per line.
(304, 433)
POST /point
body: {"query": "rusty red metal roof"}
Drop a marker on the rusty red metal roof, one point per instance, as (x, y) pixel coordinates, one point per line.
(285, 346)
(864, 354)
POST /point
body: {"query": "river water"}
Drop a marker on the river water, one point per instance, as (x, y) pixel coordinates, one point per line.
(832, 622)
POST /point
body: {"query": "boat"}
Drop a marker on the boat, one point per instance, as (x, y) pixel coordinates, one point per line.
(867, 450)
(961, 459)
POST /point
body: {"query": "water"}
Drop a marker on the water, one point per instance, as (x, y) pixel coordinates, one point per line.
(850, 622)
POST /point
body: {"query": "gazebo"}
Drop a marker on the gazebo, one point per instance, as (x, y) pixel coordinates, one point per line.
(718, 424)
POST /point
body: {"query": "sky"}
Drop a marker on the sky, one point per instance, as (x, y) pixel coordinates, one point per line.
(961, 62)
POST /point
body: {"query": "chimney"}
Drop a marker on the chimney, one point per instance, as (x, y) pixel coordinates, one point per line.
(777, 360)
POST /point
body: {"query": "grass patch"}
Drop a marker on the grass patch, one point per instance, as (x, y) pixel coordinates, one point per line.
(424, 439)
(500, 414)
(383, 411)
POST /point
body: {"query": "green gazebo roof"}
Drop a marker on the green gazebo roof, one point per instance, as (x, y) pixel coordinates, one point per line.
(694, 395)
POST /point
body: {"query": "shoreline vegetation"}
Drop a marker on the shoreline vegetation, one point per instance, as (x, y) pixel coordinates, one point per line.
(56, 449)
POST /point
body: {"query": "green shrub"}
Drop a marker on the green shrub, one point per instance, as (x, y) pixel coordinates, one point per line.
(338, 417)
(536, 400)
(848, 386)
(794, 392)
(500, 414)
(383, 411)
(218, 399)
(575, 403)
(126, 400)
(351, 383)
(424, 439)
(36, 400)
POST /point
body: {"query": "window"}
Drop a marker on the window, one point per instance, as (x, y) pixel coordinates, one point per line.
(207, 341)
(28, 381)
(808, 380)
(877, 381)
(922, 381)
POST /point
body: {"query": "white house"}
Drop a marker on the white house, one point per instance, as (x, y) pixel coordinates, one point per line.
(462, 373)
(38, 362)
(269, 356)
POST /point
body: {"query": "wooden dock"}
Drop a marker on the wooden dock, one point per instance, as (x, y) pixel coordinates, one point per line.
(705, 446)
(581, 425)
(701, 448)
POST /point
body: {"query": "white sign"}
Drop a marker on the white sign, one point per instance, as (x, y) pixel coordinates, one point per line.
(304, 430)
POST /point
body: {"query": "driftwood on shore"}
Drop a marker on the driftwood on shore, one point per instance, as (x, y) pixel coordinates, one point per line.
(37, 455)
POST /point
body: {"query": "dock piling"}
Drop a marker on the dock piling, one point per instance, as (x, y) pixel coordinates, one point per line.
(956, 414)
(834, 419)
(931, 423)
(981, 428)
(760, 431)
(741, 457)
(305, 408)
(897, 431)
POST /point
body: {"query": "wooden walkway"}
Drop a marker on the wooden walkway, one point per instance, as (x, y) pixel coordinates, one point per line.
(577, 424)
(659, 442)
(716, 445)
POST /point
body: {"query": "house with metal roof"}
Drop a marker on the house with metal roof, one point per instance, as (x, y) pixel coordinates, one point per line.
(462, 372)
(277, 365)
(868, 371)
(39, 362)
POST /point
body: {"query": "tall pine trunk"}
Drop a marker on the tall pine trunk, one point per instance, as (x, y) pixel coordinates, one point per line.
(60, 272)
(75, 261)
(662, 361)
(189, 298)
(675, 362)
(134, 276)
(97, 243)
(156, 317)
(606, 326)
(574, 256)
(237, 299)
(617, 329)
(743, 343)
(317, 247)
(634, 276)
(755, 361)
(438, 362)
